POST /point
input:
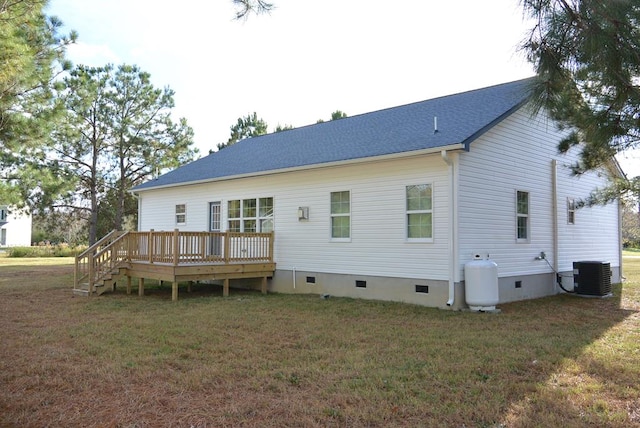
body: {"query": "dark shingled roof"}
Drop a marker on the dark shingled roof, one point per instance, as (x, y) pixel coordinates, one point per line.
(461, 119)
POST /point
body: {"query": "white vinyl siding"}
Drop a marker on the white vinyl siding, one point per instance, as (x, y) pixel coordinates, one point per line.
(378, 232)
(489, 173)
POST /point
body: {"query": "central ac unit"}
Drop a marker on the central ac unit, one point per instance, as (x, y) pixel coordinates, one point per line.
(592, 278)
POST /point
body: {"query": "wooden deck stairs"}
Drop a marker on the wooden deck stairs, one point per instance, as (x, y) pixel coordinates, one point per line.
(106, 283)
(173, 256)
(98, 268)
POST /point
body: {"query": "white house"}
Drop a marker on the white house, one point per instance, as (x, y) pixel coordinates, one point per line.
(392, 204)
(15, 227)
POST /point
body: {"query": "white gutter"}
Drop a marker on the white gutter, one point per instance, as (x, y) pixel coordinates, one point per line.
(554, 210)
(453, 263)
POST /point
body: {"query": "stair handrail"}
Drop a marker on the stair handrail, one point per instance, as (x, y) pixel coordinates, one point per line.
(97, 244)
(85, 262)
(112, 256)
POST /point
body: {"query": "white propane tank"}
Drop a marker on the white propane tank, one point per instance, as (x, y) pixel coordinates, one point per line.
(481, 283)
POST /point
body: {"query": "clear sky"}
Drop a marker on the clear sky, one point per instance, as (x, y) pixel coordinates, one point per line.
(305, 59)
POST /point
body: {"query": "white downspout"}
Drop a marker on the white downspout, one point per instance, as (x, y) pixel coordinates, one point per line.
(294, 278)
(620, 239)
(452, 225)
(554, 204)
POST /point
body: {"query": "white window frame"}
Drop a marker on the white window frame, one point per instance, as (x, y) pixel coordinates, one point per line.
(264, 215)
(409, 212)
(181, 212)
(336, 215)
(266, 221)
(526, 216)
(571, 211)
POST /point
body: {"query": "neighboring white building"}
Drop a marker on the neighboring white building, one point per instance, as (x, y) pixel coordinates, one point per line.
(392, 204)
(15, 227)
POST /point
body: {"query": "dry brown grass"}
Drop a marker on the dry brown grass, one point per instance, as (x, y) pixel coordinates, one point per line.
(281, 360)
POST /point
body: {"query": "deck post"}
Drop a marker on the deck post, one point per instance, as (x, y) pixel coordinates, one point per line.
(91, 273)
(225, 288)
(176, 250)
(271, 246)
(189, 286)
(174, 291)
(129, 249)
(263, 286)
(227, 246)
(75, 273)
(140, 286)
(150, 245)
(128, 284)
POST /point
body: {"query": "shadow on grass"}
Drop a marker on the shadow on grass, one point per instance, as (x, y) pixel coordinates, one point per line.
(592, 380)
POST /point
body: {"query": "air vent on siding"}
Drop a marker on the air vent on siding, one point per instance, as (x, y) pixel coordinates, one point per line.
(422, 288)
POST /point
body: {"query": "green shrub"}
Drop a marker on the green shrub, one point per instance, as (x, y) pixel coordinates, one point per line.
(60, 250)
(19, 252)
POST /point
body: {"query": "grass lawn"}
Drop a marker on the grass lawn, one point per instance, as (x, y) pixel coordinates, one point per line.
(251, 360)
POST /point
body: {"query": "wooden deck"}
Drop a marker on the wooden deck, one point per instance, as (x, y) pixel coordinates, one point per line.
(174, 257)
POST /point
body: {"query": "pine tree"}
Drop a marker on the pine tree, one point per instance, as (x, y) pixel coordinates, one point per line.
(31, 54)
(587, 58)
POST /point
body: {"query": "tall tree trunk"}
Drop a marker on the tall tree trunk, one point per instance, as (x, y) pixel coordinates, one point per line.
(93, 189)
(93, 218)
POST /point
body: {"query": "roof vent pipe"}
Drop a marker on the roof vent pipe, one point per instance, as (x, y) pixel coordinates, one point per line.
(435, 124)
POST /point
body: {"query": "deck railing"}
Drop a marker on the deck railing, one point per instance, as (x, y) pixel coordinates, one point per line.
(175, 247)
(180, 247)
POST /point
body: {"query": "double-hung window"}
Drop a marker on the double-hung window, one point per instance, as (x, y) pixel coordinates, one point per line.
(522, 216)
(571, 211)
(419, 212)
(181, 214)
(341, 215)
(250, 215)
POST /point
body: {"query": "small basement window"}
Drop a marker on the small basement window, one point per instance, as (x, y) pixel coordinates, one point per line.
(311, 280)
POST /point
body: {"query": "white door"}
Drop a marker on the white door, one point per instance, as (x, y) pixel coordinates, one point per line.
(215, 245)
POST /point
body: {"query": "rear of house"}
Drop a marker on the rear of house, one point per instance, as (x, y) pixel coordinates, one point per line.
(390, 205)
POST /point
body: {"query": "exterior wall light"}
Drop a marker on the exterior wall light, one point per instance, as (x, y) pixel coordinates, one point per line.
(303, 213)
